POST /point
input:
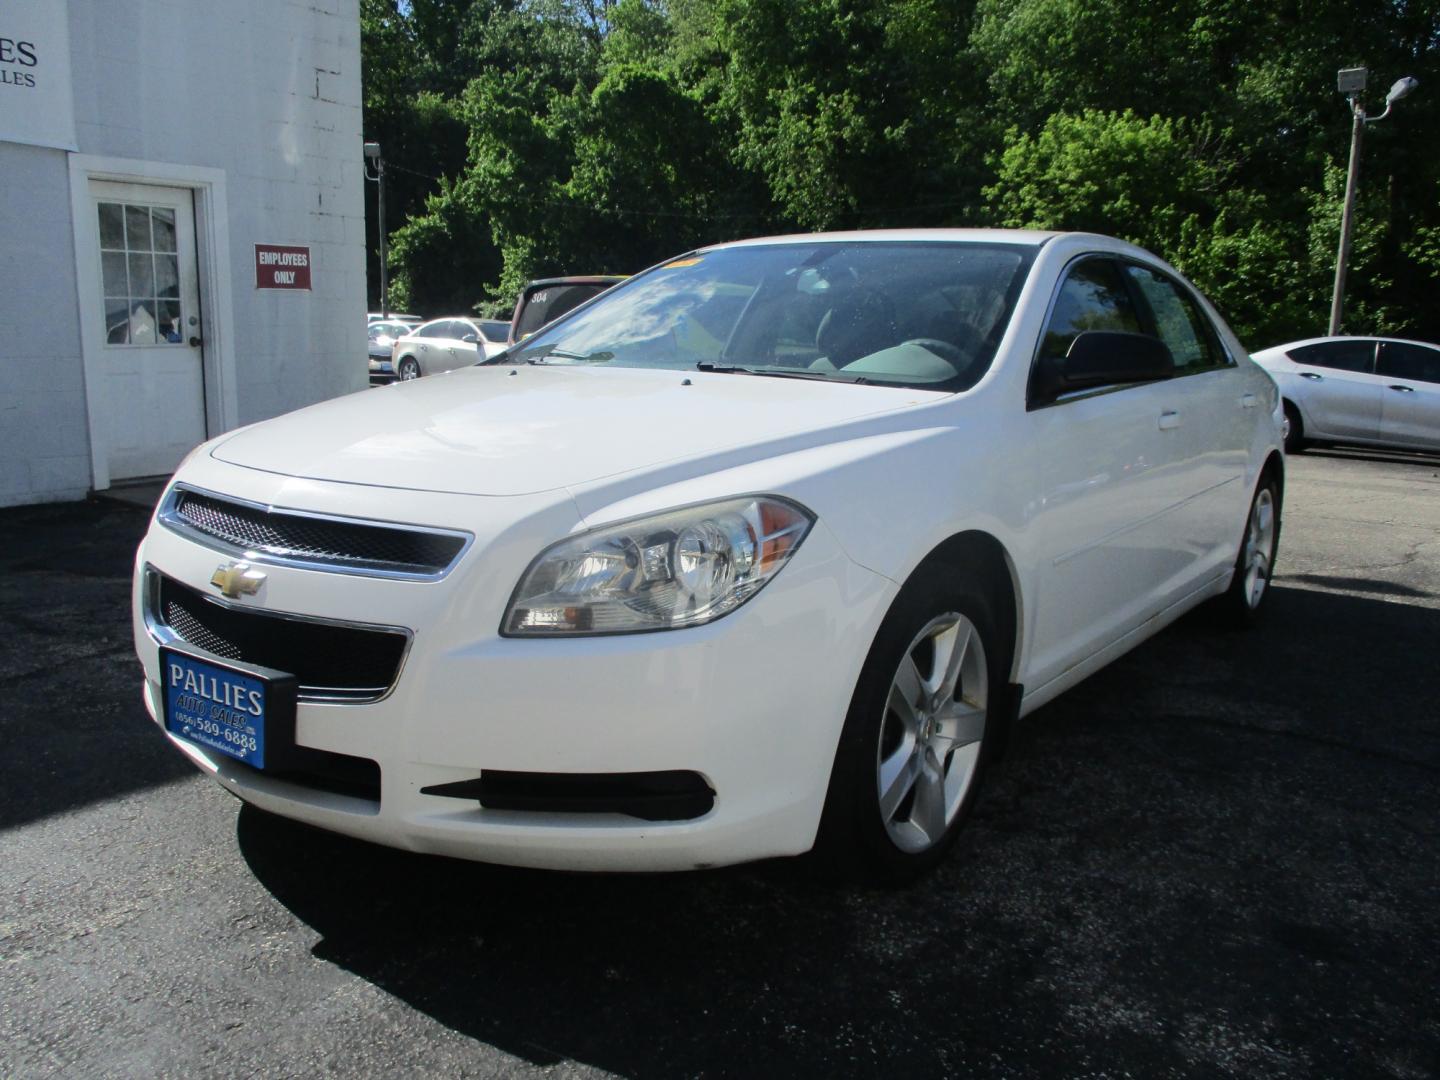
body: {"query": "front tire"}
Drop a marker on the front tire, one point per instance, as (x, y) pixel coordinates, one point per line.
(1250, 585)
(921, 729)
(409, 369)
(1295, 431)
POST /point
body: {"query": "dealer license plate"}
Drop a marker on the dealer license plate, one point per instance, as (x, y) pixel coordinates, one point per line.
(218, 707)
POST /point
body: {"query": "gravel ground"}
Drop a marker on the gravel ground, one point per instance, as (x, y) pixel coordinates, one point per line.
(1218, 857)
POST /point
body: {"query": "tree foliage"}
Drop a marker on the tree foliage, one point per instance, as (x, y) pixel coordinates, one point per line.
(536, 137)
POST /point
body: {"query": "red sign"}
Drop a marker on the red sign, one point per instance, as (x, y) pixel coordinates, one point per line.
(282, 266)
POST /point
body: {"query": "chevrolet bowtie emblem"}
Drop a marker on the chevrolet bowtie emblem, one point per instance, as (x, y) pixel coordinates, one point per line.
(237, 579)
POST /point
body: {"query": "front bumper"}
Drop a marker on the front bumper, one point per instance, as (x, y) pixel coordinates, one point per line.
(382, 371)
(753, 703)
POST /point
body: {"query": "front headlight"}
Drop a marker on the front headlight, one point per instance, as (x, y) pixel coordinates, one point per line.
(681, 568)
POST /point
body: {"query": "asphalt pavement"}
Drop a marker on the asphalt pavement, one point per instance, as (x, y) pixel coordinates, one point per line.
(1220, 856)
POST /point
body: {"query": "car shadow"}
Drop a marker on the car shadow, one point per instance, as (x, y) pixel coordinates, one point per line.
(1376, 454)
(1202, 858)
(68, 672)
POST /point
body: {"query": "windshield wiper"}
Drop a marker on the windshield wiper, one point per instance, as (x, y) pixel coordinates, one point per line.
(601, 357)
(777, 373)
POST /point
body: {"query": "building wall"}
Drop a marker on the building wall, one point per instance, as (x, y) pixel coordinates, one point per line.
(44, 438)
(268, 91)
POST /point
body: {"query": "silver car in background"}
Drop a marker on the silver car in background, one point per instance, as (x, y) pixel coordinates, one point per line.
(1365, 391)
(446, 344)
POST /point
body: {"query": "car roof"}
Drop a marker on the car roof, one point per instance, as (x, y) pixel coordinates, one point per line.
(1344, 337)
(1032, 237)
(579, 279)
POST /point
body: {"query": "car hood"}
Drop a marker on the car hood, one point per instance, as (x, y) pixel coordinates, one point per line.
(520, 430)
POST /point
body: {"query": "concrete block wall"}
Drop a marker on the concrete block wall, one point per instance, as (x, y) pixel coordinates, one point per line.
(267, 91)
(44, 434)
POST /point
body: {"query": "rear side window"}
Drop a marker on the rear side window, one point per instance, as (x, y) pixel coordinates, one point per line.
(434, 330)
(1399, 360)
(1357, 355)
(1092, 298)
(1178, 320)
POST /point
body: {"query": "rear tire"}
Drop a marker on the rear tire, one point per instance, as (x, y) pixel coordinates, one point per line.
(1240, 605)
(408, 369)
(922, 727)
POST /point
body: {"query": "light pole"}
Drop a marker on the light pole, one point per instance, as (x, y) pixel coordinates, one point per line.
(1351, 82)
(372, 153)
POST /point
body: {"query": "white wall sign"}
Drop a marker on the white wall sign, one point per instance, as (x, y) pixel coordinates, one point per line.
(36, 102)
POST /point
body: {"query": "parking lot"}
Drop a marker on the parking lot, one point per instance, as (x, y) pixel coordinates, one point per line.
(1218, 857)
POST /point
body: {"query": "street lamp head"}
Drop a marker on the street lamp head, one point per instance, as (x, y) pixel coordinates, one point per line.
(372, 149)
(1402, 88)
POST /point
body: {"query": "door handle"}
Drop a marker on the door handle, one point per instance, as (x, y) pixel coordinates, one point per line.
(1248, 401)
(1169, 419)
(1404, 389)
(195, 342)
(1312, 376)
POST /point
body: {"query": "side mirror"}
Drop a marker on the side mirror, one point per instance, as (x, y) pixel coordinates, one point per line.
(470, 339)
(1104, 358)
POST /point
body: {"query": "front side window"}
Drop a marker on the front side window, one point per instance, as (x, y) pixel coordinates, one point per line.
(1401, 360)
(922, 314)
(1178, 321)
(1356, 355)
(1093, 297)
(140, 274)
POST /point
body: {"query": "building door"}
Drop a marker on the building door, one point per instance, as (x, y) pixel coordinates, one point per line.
(151, 390)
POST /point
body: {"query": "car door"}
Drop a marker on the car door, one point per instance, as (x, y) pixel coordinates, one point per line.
(1106, 464)
(422, 345)
(449, 349)
(1211, 436)
(1338, 389)
(1410, 414)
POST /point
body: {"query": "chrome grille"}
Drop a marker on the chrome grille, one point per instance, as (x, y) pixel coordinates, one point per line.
(341, 544)
(330, 661)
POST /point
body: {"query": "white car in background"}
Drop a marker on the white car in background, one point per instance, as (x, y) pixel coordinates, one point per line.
(765, 549)
(446, 344)
(382, 335)
(1365, 391)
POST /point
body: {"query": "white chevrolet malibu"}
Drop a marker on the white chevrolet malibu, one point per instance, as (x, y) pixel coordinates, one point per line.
(765, 549)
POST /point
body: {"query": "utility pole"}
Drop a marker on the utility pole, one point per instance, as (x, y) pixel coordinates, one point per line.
(372, 153)
(1351, 82)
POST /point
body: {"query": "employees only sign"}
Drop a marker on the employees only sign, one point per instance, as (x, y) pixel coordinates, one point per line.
(282, 266)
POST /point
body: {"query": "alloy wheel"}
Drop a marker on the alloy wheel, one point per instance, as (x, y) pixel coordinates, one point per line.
(931, 733)
(1259, 545)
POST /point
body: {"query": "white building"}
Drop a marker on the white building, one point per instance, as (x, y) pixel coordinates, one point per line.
(181, 228)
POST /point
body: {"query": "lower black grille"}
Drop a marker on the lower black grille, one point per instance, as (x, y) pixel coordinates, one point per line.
(339, 774)
(675, 795)
(330, 661)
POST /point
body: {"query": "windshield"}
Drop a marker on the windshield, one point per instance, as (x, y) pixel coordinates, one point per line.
(926, 314)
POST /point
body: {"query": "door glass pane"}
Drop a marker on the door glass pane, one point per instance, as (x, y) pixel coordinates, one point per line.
(1413, 362)
(163, 219)
(167, 276)
(112, 226)
(117, 322)
(169, 328)
(142, 323)
(137, 228)
(113, 267)
(142, 275)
